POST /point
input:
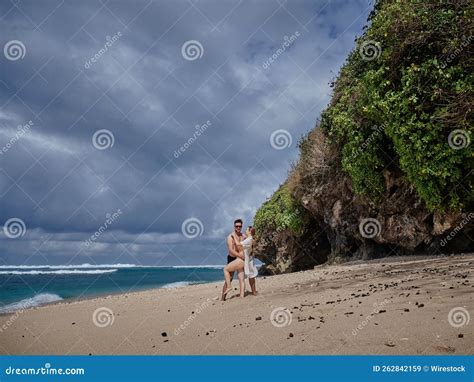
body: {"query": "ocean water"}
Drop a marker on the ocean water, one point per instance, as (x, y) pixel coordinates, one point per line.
(27, 286)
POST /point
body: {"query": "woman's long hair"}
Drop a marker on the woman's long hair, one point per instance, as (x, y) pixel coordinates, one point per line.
(252, 232)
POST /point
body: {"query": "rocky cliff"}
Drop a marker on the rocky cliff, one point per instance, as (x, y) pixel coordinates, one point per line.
(388, 169)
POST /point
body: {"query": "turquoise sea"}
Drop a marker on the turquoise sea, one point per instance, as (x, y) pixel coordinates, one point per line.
(27, 286)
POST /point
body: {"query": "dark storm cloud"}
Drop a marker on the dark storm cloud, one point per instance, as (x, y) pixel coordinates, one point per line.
(159, 171)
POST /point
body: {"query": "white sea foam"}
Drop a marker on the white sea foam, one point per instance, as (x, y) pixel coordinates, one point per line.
(101, 266)
(59, 272)
(39, 299)
(69, 266)
(196, 266)
(178, 284)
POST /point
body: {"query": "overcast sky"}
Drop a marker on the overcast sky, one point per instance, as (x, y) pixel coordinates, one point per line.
(152, 113)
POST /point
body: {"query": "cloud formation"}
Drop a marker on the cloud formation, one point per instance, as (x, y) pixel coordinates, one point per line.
(121, 67)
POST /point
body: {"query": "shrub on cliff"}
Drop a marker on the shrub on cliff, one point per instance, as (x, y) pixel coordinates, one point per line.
(278, 213)
(404, 99)
(393, 148)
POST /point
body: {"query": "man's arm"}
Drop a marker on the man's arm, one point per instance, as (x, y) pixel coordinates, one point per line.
(232, 251)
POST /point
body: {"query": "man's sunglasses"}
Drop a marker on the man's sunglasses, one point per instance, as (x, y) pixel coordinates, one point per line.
(237, 226)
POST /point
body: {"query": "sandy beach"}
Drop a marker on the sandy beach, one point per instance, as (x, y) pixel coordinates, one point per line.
(391, 306)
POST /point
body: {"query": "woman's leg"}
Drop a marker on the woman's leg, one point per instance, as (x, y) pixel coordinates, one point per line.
(229, 269)
(241, 276)
(228, 281)
(253, 286)
(224, 287)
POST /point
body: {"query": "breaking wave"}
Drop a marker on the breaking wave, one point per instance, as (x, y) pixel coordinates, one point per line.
(39, 299)
(59, 272)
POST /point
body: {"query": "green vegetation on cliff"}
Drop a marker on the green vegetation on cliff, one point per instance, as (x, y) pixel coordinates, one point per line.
(389, 165)
(404, 99)
(278, 213)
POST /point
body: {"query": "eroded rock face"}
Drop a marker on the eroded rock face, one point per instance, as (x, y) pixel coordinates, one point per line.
(397, 224)
(443, 223)
(283, 251)
(346, 225)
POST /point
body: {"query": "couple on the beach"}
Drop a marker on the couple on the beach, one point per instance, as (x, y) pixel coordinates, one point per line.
(240, 259)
